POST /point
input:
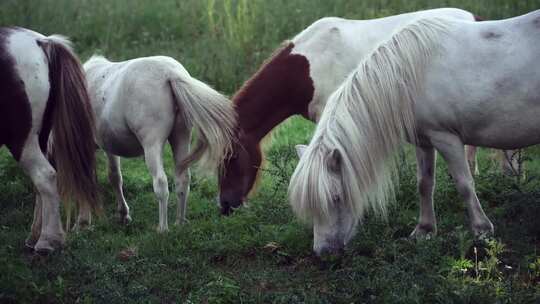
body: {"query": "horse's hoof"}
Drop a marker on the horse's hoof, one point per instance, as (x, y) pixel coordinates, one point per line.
(181, 222)
(162, 229)
(46, 245)
(484, 231)
(124, 219)
(423, 232)
(30, 243)
(44, 251)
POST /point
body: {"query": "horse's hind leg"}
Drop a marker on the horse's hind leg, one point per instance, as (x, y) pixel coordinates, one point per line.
(36, 224)
(43, 176)
(425, 158)
(153, 155)
(471, 159)
(115, 178)
(452, 150)
(510, 162)
(180, 139)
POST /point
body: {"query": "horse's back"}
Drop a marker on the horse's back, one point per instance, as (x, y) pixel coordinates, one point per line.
(24, 86)
(138, 74)
(335, 46)
(486, 82)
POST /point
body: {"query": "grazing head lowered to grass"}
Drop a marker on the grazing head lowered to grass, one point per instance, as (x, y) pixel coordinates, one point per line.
(419, 86)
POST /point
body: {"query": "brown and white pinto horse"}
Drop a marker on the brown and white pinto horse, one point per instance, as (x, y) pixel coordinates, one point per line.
(43, 89)
(297, 80)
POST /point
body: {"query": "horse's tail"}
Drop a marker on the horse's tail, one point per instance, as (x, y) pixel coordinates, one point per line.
(72, 148)
(212, 114)
(364, 122)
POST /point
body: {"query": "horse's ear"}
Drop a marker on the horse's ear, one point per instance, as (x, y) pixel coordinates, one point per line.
(300, 149)
(334, 162)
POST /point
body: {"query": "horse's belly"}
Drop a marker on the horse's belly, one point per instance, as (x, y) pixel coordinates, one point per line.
(119, 141)
(512, 135)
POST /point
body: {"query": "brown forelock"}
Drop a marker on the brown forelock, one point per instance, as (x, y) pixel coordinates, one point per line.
(282, 87)
(73, 126)
(15, 110)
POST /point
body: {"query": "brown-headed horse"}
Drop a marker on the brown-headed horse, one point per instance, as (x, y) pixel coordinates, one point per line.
(43, 90)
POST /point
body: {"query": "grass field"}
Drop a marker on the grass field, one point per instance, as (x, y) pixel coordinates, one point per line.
(262, 254)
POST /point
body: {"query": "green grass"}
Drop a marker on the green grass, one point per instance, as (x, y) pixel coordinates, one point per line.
(262, 254)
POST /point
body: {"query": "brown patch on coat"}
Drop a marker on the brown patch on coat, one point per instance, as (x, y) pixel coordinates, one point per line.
(282, 87)
(15, 110)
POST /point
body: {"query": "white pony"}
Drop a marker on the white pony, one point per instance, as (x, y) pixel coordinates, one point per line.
(438, 83)
(141, 103)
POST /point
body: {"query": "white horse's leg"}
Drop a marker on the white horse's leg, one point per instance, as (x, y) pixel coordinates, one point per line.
(471, 159)
(509, 162)
(452, 150)
(36, 224)
(43, 176)
(427, 224)
(180, 140)
(153, 156)
(115, 178)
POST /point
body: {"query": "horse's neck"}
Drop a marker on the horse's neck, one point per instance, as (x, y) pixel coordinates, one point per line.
(258, 118)
(282, 88)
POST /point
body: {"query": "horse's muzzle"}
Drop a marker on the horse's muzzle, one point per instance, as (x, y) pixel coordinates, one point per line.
(227, 208)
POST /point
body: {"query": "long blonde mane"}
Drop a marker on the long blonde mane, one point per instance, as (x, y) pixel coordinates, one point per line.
(366, 120)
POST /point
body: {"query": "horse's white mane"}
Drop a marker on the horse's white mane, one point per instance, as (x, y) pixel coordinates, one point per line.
(366, 120)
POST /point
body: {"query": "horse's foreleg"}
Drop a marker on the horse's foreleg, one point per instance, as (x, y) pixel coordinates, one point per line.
(180, 140)
(43, 176)
(154, 160)
(471, 159)
(452, 150)
(427, 224)
(115, 178)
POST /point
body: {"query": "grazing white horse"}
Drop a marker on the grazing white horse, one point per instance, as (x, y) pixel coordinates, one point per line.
(141, 103)
(438, 83)
(43, 89)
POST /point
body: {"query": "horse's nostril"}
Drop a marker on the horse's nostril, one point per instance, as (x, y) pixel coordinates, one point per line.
(236, 205)
(225, 208)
